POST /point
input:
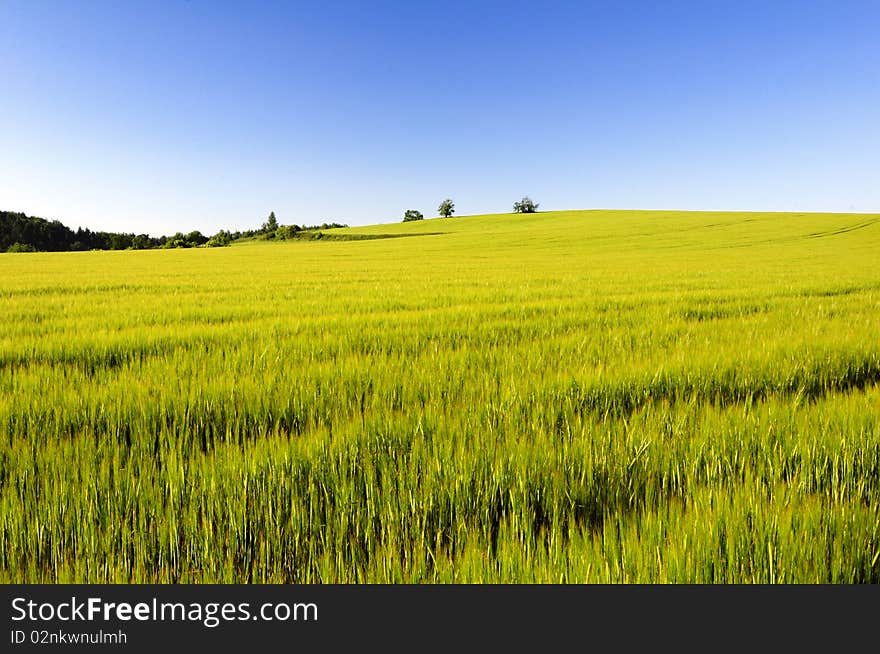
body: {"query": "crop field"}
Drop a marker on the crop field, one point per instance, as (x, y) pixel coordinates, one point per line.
(585, 396)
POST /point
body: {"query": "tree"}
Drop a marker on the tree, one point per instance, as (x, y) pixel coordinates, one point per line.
(271, 223)
(411, 214)
(526, 205)
(141, 242)
(219, 239)
(195, 237)
(120, 241)
(288, 231)
(178, 240)
(446, 208)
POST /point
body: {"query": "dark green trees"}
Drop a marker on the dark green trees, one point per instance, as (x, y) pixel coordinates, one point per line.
(271, 224)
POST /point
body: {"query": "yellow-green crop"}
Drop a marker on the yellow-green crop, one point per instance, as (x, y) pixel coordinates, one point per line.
(558, 397)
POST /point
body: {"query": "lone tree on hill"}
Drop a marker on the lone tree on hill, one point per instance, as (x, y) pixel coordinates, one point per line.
(526, 205)
(271, 223)
(412, 214)
(446, 208)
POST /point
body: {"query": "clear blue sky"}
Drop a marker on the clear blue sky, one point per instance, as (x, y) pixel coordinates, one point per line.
(164, 116)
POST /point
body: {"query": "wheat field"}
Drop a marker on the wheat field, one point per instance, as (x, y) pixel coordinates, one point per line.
(574, 397)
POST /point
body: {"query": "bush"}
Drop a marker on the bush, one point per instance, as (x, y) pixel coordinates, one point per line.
(177, 241)
(21, 247)
(219, 239)
(288, 231)
(411, 214)
(526, 205)
(191, 240)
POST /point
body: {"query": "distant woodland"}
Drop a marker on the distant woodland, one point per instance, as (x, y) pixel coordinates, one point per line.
(22, 233)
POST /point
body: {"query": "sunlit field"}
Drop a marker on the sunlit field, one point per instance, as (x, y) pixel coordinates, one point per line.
(587, 396)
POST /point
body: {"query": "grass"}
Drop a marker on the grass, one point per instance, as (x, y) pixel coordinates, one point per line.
(559, 397)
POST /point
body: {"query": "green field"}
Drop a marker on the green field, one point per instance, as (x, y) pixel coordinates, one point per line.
(589, 396)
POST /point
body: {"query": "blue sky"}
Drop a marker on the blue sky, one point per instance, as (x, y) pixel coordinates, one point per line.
(164, 116)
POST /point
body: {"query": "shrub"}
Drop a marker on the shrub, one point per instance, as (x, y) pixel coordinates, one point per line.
(219, 239)
(526, 205)
(21, 247)
(288, 231)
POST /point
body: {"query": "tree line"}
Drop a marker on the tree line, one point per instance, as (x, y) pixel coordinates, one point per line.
(22, 233)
